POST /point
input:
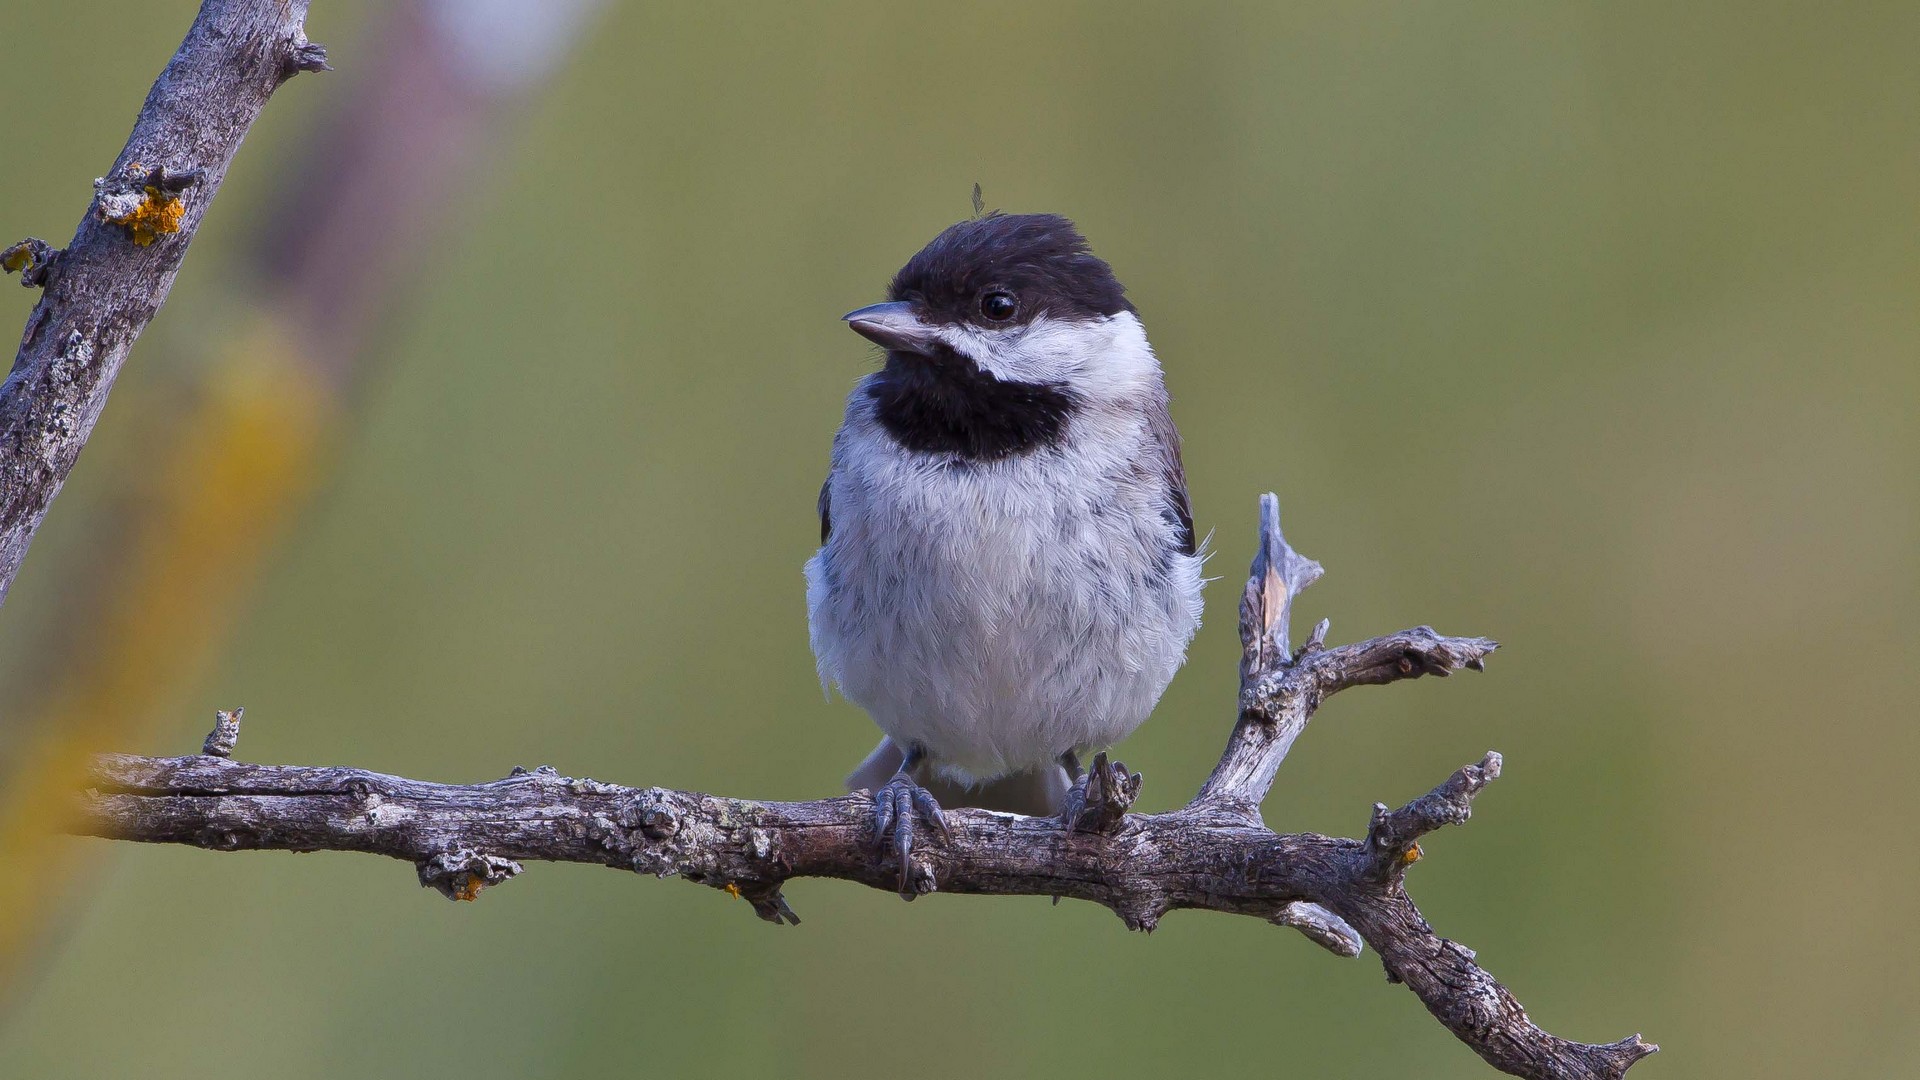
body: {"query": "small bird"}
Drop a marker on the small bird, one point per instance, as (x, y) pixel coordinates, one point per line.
(1007, 576)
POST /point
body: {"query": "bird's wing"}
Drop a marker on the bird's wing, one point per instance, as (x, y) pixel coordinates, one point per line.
(1163, 450)
(826, 517)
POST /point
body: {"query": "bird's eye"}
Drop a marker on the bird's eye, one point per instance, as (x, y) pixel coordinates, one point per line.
(998, 305)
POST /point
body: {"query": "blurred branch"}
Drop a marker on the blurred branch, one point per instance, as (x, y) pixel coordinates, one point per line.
(1213, 854)
(112, 278)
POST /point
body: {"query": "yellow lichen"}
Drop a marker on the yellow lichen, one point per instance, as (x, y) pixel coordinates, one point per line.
(17, 258)
(733, 890)
(157, 214)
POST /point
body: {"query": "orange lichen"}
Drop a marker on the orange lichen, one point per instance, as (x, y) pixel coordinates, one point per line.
(157, 214)
(1413, 855)
(733, 890)
(469, 887)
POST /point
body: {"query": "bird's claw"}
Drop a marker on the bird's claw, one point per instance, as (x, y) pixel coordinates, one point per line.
(1098, 800)
(895, 807)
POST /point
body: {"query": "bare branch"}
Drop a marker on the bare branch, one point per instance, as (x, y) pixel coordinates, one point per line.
(1279, 692)
(1212, 854)
(112, 278)
(1393, 835)
(1473, 1005)
(1408, 654)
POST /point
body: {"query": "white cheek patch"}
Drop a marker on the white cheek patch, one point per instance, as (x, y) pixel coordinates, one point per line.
(1105, 359)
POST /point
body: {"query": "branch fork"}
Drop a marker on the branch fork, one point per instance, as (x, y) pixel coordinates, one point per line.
(1214, 853)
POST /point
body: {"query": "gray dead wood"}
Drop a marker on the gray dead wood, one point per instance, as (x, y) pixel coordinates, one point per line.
(103, 289)
(1214, 853)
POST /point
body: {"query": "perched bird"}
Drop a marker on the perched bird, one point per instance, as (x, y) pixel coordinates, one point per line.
(1007, 576)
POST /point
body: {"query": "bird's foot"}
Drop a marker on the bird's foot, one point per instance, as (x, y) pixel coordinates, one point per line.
(895, 806)
(1098, 800)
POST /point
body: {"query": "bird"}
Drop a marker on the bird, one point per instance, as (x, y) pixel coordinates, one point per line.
(1008, 576)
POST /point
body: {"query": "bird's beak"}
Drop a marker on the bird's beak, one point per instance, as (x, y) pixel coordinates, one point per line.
(894, 327)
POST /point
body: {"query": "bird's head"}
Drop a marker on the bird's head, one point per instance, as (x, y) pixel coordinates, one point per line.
(1012, 299)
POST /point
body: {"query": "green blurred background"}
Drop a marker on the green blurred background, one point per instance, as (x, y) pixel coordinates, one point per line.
(1591, 328)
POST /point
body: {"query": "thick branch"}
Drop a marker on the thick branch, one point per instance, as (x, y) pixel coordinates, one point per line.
(465, 837)
(112, 278)
(1148, 865)
(1213, 854)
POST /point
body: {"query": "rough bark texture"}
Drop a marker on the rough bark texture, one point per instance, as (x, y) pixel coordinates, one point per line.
(1214, 853)
(104, 288)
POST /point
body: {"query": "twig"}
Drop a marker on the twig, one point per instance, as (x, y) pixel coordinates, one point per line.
(108, 283)
(1322, 927)
(1213, 853)
(225, 734)
(1266, 606)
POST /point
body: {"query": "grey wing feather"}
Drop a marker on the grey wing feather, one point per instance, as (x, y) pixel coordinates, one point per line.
(1164, 450)
(826, 516)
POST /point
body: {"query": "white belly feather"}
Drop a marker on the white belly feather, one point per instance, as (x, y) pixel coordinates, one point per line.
(1000, 613)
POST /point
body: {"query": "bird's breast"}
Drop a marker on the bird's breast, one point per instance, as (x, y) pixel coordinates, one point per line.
(999, 613)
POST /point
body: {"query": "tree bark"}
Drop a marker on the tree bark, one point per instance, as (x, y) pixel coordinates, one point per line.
(1214, 853)
(103, 289)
